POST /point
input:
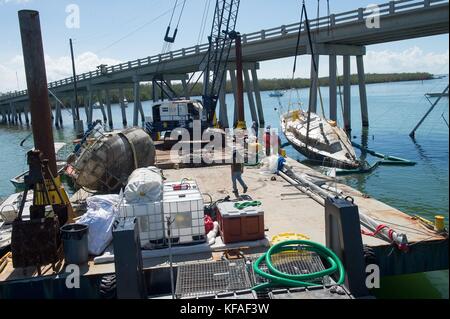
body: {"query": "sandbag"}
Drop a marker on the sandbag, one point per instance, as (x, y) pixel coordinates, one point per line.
(100, 216)
(144, 185)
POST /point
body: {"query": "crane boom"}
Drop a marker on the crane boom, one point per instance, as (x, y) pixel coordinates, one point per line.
(220, 41)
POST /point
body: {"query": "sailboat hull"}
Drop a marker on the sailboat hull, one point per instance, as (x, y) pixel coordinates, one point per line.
(327, 145)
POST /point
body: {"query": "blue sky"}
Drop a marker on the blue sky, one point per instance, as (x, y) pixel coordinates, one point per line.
(136, 24)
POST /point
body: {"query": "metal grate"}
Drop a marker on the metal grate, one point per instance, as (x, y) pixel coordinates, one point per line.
(198, 279)
(294, 263)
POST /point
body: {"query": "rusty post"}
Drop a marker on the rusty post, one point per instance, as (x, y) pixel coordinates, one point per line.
(240, 83)
(33, 55)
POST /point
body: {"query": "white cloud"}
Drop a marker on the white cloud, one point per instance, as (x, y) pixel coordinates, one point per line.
(410, 60)
(57, 68)
(413, 59)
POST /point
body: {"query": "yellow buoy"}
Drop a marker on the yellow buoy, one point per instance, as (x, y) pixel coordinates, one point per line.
(439, 223)
(287, 236)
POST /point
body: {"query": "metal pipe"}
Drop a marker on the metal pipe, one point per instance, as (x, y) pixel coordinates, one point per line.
(33, 55)
(319, 194)
(413, 132)
(75, 89)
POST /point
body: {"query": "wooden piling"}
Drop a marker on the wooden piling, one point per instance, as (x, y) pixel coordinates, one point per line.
(33, 55)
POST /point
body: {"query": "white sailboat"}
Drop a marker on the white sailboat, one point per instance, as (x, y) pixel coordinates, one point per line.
(326, 143)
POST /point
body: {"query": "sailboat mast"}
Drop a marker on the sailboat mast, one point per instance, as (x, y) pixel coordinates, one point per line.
(314, 66)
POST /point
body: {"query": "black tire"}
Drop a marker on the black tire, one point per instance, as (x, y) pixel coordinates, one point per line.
(108, 287)
(370, 256)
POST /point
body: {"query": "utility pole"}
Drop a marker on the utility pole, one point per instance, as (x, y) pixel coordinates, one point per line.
(240, 82)
(78, 123)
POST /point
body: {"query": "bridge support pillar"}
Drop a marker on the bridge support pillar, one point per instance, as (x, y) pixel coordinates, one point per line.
(89, 108)
(25, 112)
(108, 108)
(347, 95)
(58, 115)
(72, 109)
(102, 106)
(333, 87)
(154, 91)
(122, 107)
(362, 91)
(186, 89)
(13, 113)
(314, 83)
(257, 91)
(223, 113)
(234, 87)
(251, 100)
(19, 116)
(137, 101)
(8, 114)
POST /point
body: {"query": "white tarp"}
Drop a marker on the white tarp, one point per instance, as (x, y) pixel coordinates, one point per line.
(269, 165)
(144, 185)
(100, 216)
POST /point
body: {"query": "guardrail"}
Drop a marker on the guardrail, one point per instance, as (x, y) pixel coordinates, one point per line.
(330, 21)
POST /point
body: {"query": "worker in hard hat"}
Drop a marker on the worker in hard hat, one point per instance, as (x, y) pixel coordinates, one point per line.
(267, 140)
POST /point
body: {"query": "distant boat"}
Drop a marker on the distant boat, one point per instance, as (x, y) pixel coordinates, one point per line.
(97, 105)
(436, 94)
(326, 142)
(276, 94)
(19, 180)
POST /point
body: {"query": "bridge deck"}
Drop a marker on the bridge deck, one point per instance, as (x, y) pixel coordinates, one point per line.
(399, 20)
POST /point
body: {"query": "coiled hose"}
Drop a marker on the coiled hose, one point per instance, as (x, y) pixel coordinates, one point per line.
(280, 279)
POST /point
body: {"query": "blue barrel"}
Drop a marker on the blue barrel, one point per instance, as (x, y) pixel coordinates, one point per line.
(75, 243)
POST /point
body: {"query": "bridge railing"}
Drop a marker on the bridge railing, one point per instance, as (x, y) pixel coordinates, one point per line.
(327, 22)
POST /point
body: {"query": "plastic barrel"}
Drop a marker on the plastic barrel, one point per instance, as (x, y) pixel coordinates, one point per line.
(75, 243)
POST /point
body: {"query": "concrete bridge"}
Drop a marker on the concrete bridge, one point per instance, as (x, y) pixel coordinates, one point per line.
(344, 34)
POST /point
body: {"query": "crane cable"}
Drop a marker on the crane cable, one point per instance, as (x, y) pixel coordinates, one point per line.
(294, 68)
(204, 21)
(171, 39)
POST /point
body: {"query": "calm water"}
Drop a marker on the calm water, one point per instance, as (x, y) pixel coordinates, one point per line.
(394, 109)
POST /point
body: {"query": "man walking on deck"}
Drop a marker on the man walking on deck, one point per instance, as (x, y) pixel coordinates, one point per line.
(237, 169)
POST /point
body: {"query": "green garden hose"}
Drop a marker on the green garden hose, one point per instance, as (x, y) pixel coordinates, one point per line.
(243, 205)
(280, 279)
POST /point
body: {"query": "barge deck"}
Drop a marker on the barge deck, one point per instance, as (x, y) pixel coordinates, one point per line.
(287, 209)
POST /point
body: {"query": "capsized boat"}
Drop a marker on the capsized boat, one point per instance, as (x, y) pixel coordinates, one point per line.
(327, 143)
